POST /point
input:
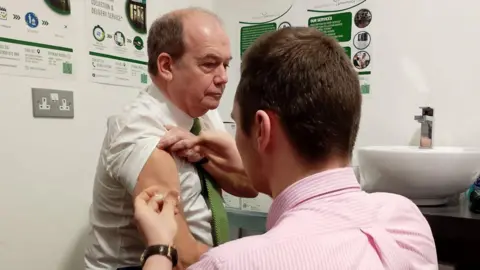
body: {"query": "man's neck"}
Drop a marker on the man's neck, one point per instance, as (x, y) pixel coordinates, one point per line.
(289, 171)
(179, 103)
(161, 86)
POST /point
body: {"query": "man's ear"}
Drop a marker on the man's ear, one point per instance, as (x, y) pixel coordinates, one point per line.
(262, 130)
(164, 64)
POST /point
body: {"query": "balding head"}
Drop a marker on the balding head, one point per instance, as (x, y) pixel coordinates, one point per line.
(167, 33)
(188, 56)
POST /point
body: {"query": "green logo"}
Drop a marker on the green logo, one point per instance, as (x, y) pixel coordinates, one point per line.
(67, 68)
(365, 88)
(348, 51)
(138, 43)
(144, 78)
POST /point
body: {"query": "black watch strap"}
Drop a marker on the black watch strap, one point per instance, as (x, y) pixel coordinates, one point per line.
(164, 250)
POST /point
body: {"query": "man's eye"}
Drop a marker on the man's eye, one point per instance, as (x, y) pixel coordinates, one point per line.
(210, 65)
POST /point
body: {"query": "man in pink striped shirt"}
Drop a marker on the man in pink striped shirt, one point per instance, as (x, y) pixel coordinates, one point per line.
(297, 108)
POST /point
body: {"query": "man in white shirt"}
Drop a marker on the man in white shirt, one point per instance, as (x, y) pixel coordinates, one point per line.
(189, 53)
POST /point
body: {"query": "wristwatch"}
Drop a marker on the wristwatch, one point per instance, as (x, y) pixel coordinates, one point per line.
(164, 250)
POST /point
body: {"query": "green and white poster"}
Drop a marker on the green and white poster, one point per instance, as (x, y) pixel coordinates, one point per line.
(350, 22)
(36, 39)
(259, 17)
(117, 34)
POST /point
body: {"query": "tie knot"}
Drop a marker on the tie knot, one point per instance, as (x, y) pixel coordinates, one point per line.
(196, 128)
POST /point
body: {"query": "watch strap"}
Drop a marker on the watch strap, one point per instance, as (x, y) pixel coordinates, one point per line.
(164, 250)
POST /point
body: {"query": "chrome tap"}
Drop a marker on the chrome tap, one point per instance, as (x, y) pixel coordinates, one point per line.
(426, 132)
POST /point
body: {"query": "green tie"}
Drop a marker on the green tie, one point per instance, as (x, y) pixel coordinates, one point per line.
(212, 194)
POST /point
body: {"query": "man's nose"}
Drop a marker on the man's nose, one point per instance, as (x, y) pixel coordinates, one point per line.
(221, 77)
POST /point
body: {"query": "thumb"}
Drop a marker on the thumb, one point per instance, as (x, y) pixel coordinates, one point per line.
(168, 208)
(170, 203)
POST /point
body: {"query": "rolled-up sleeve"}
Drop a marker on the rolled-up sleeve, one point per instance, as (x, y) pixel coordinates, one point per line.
(131, 142)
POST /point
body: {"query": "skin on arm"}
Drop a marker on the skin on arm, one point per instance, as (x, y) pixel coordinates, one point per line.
(161, 170)
(235, 183)
(157, 262)
(225, 163)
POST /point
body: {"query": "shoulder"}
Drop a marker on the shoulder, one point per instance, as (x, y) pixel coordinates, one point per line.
(234, 255)
(406, 224)
(391, 201)
(397, 211)
(142, 115)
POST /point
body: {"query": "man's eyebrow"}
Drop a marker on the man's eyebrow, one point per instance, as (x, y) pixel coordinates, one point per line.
(214, 56)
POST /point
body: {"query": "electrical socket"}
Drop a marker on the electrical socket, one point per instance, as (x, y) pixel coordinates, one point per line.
(64, 105)
(49, 103)
(43, 104)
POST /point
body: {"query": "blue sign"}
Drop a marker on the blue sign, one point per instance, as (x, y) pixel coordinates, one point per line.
(31, 19)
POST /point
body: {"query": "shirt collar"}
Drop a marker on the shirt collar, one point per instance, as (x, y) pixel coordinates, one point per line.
(329, 182)
(172, 113)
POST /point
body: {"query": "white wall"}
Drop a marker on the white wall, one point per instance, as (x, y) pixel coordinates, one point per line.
(47, 165)
(424, 54)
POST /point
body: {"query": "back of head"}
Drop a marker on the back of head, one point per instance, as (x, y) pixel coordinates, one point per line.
(307, 80)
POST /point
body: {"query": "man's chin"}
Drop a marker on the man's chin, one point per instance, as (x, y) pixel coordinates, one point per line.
(212, 104)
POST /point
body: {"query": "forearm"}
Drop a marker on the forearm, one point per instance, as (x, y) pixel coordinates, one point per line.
(157, 262)
(188, 248)
(233, 182)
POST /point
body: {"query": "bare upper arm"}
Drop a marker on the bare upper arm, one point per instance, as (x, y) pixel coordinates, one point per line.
(159, 170)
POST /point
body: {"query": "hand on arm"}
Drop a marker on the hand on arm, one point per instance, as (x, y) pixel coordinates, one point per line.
(152, 209)
(225, 164)
(160, 171)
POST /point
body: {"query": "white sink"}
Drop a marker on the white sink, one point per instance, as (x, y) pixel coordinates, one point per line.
(426, 176)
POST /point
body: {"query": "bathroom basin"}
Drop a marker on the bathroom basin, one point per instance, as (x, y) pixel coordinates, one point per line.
(426, 176)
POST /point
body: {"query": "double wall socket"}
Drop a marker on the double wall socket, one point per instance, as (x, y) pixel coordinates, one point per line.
(49, 103)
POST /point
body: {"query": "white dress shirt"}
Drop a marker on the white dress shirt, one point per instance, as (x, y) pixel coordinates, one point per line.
(131, 137)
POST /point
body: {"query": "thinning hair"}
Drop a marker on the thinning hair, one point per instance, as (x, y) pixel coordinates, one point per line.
(166, 35)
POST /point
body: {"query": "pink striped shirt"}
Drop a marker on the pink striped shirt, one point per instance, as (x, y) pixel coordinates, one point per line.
(325, 221)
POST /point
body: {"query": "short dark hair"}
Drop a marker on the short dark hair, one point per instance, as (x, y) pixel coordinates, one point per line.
(166, 35)
(307, 80)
